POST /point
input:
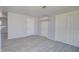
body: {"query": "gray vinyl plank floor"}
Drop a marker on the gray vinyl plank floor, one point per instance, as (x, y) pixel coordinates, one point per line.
(37, 44)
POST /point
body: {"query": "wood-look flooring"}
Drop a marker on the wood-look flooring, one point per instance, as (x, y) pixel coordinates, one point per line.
(37, 44)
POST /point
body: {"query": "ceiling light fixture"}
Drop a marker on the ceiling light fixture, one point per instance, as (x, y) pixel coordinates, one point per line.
(44, 6)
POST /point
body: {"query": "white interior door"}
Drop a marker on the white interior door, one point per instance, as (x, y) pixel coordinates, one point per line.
(44, 28)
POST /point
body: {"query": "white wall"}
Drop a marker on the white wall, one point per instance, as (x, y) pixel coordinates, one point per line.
(0, 36)
(31, 25)
(67, 28)
(20, 25)
(51, 27)
(0, 39)
(16, 25)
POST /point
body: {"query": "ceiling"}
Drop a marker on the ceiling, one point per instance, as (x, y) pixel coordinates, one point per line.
(39, 11)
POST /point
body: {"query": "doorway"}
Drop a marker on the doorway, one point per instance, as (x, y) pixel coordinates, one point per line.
(44, 28)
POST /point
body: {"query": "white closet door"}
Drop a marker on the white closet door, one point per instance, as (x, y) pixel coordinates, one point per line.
(44, 28)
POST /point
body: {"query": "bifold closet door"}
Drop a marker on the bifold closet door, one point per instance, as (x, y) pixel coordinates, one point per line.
(44, 28)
